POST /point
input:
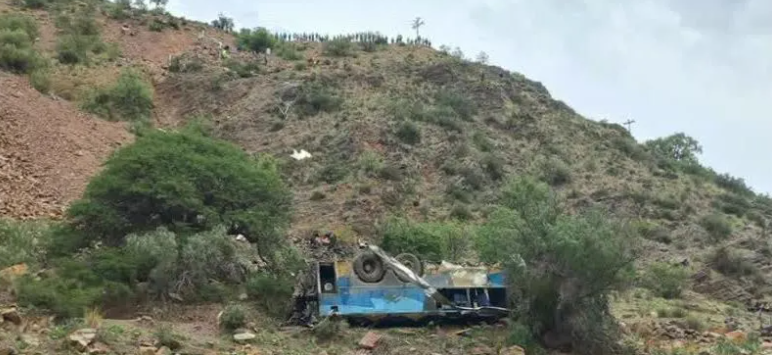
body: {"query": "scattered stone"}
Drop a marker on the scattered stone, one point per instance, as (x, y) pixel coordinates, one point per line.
(482, 350)
(513, 350)
(147, 350)
(30, 340)
(10, 273)
(164, 351)
(464, 332)
(11, 314)
(370, 340)
(244, 336)
(82, 338)
(8, 351)
(98, 349)
(736, 336)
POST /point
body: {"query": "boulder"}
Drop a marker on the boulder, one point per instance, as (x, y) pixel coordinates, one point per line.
(11, 314)
(370, 340)
(244, 337)
(82, 338)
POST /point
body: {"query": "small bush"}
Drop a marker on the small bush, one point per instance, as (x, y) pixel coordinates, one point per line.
(732, 203)
(23, 241)
(272, 293)
(432, 241)
(316, 97)
(333, 172)
(665, 280)
(317, 196)
(461, 212)
(482, 142)
(287, 51)
(184, 64)
(409, 133)
(340, 47)
(243, 69)
(17, 35)
(458, 102)
(233, 317)
(733, 184)
(731, 263)
(371, 162)
(130, 99)
(493, 166)
(157, 25)
(555, 172)
(166, 336)
(35, 4)
(41, 81)
(717, 226)
(653, 231)
(694, 323)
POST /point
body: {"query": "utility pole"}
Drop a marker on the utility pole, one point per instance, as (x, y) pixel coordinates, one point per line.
(629, 124)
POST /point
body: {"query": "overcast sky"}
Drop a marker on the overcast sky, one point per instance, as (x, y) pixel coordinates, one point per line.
(698, 66)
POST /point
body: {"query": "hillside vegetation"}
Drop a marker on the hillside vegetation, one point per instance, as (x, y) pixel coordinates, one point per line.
(416, 149)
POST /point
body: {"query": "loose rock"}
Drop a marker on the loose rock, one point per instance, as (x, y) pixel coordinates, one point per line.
(370, 340)
(244, 337)
(82, 338)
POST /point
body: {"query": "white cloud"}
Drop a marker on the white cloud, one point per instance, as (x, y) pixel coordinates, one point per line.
(698, 66)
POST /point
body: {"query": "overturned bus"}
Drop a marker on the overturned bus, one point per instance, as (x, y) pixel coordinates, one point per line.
(376, 287)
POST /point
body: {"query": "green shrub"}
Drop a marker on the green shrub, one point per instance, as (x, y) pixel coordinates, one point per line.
(80, 39)
(730, 262)
(482, 141)
(256, 40)
(431, 241)
(555, 172)
(316, 97)
(40, 80)
(732, 203)
(560, 267)
(717, 226)
(333, 172)
(184, 64)
(130, 99)
(409, 132)
(243, 69)
(653, 231)
(733, 184)
(166, 336)
(665, 280)
(493, 166)
(460, 212)
(233, 317)
(35, 4)
(77, 285)
(371, 162)
(23, 241)
(157, 25)
(339, 47)
(457, 102)
(187, 182)
(287, 51)
(17, 35)
(272, 293)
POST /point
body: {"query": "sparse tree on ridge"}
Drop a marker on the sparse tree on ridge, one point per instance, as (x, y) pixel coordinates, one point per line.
(159, 3)
(417, 23)
(223, 23)
(482, 58)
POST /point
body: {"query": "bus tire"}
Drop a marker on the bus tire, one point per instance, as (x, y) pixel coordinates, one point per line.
(369, 267)
(412, 262)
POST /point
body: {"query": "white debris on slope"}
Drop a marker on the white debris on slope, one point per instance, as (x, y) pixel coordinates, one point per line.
(302, 154)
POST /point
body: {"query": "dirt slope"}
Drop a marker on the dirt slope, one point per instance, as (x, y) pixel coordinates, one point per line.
(48, 150)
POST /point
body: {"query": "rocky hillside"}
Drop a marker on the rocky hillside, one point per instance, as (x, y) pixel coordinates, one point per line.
(393, 127)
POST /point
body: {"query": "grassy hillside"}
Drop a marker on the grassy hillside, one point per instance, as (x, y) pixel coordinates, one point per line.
(414, 148)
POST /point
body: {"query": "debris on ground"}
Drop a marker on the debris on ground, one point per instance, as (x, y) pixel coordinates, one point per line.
(370, 340)
(82, 338)
(10, 314)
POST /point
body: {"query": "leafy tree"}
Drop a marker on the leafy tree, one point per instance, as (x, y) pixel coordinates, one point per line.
(257, 40)
(561, 267)
(677, 147)
(223, 23)
(187, 182)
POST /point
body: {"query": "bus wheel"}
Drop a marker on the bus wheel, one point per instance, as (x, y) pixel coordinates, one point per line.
(411, 262)
(369, 267)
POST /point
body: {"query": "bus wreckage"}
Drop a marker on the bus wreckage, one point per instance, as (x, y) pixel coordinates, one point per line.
(376, 287)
